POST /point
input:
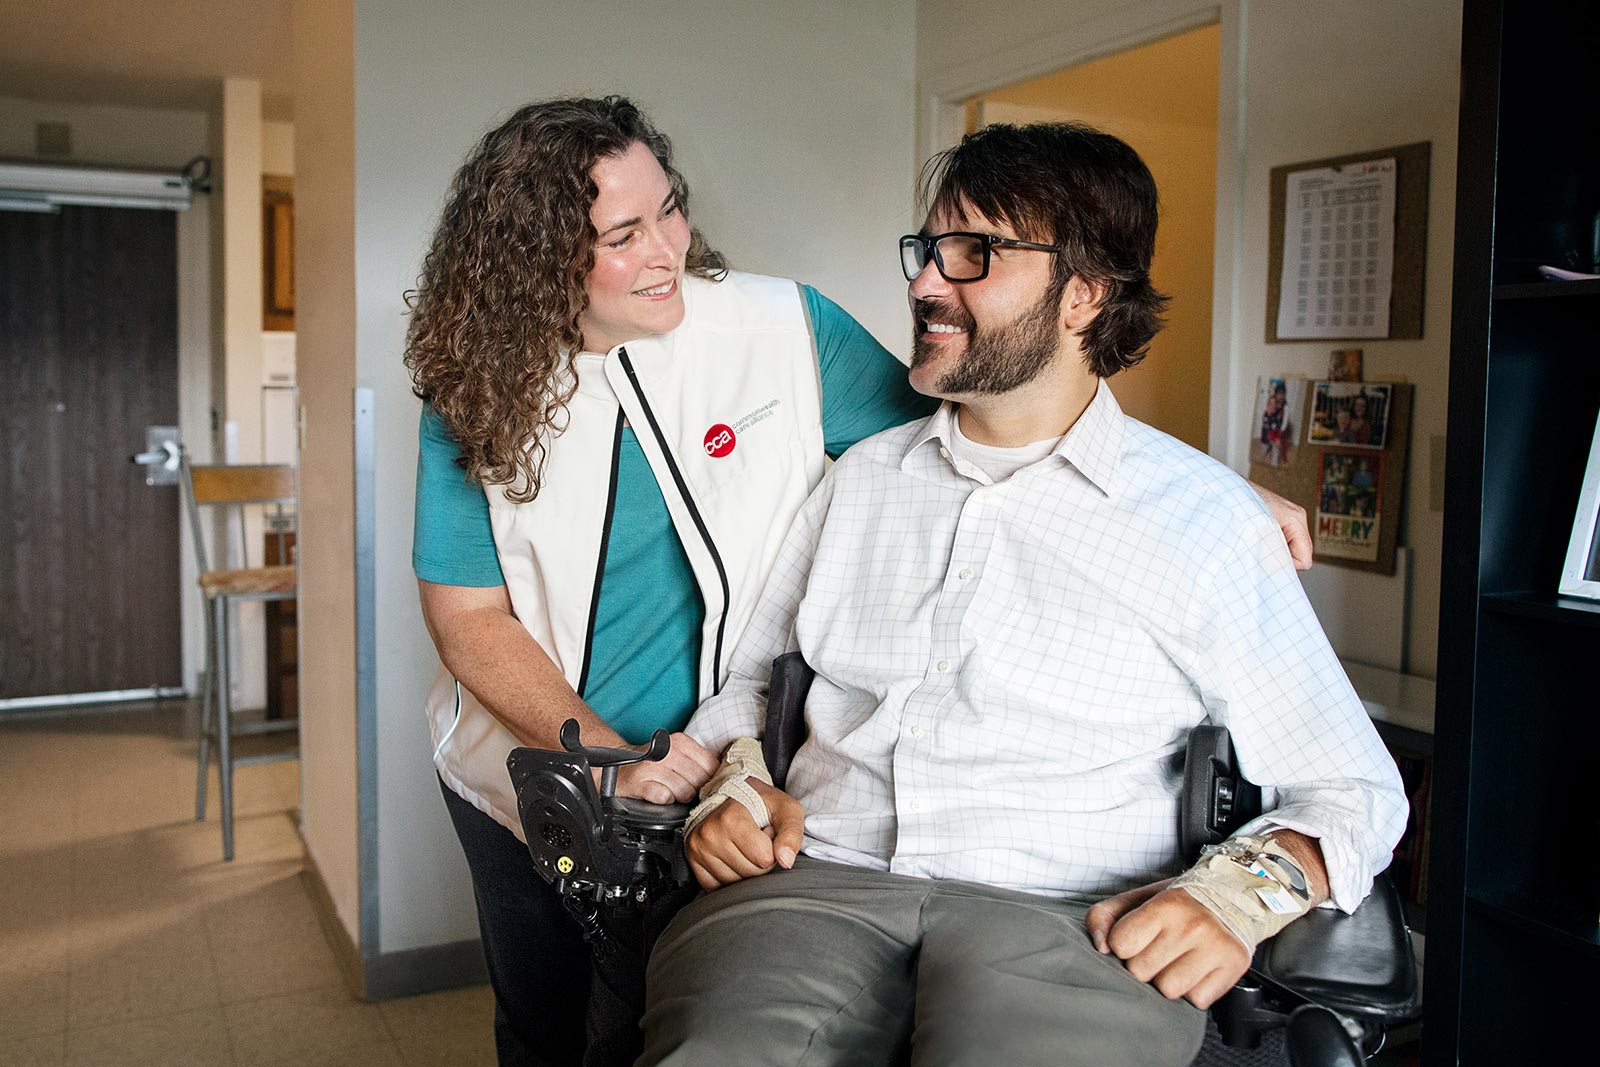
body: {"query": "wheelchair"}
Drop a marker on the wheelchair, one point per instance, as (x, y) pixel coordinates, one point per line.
(1327, 988)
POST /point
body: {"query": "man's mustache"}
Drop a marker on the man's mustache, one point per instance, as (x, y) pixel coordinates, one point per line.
(942, 312)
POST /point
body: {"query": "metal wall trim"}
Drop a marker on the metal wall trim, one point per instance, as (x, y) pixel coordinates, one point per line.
(366, 636)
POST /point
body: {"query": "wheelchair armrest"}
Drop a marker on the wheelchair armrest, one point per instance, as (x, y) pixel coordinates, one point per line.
(1360, 965)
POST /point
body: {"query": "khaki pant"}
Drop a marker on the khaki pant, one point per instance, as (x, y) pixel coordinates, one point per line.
(830, 964)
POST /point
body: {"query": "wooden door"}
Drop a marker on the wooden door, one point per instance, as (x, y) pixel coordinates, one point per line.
(88, 358)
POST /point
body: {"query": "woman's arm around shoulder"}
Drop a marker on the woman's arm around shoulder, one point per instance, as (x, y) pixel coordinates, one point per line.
(865, 389)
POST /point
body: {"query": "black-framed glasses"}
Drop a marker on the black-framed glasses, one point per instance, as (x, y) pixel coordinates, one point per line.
(960, 256)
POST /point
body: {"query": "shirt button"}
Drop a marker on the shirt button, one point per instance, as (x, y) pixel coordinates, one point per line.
(943, 665)
(943, 451)
(966, 572)
(914, 805)
(916, 731)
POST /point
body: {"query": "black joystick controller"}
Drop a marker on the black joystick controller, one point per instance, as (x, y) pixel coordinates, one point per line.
(594, 847)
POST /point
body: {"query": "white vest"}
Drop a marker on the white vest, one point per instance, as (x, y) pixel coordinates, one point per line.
(728, 410)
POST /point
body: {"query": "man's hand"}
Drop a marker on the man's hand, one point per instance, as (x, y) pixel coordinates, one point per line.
(675, 779)
(1169, 939)
(728, 847)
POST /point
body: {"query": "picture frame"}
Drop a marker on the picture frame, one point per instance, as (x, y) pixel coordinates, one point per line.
(277, 252)
(1275, 428)
(1350, 414)
(1412, 162)
(1349, 520)
(1580, 575)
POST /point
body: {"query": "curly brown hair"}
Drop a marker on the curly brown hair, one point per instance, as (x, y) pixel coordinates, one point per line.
(502, 285)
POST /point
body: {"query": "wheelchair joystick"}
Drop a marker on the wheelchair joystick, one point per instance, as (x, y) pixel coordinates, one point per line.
(594, 847)
(609, 759)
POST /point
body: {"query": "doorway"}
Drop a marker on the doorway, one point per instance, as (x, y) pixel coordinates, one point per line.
(89, 554)
(1162, 99)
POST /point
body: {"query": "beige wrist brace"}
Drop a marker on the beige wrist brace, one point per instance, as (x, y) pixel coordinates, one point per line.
(742, 762)
(1250, 886)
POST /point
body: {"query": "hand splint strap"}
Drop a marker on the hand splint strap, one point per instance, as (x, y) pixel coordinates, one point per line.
(1250, 886)
(742, 762)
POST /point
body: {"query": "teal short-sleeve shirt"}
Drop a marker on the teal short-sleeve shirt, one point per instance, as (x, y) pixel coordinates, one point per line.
(647, 625)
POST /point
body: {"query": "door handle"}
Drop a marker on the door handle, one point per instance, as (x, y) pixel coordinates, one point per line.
(166, 457)
(162, 456)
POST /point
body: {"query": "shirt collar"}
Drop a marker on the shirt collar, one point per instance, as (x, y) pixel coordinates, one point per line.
(1093, 446)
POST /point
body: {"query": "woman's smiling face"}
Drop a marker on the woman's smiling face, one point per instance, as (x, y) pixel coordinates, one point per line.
(635, 287)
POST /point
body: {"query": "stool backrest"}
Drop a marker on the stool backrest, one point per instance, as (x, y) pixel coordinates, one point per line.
(233, 486)
(266, 483)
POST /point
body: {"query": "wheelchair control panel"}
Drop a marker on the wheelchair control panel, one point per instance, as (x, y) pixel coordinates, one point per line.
(596, 848)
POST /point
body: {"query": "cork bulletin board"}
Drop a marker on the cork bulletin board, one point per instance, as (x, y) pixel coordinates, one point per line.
(1410, 236)
(1303, 479)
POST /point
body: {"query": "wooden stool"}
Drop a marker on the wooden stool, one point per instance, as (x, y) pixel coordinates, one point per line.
(233, 487)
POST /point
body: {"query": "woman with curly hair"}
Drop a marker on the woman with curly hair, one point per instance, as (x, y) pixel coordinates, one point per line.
(616, 433)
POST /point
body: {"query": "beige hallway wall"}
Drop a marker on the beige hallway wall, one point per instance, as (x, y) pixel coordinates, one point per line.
(1161, 99)
(325, 336)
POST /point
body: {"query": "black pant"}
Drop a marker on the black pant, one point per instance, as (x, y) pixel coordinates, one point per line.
(616, 994)
(540, 968)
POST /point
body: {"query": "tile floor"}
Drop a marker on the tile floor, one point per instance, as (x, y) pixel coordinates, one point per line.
(125, 939)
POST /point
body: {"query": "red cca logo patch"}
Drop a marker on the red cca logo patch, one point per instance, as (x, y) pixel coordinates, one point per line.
(719, 441)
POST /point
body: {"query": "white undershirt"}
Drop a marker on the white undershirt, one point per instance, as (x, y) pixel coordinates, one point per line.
(998, 463)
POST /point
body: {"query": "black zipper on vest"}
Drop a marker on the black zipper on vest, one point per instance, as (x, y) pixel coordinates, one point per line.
(694, 513)
(600, 564)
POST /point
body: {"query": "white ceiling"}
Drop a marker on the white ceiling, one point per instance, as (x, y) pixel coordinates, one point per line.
(145, 53)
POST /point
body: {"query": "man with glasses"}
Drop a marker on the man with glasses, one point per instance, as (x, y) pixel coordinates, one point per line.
(1017, 609)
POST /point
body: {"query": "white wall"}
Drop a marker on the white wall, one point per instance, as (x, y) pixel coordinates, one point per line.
(238, 199)
(150, 137)
(105, 134)
(753, 97)
(1300, 80)
(1321, 81)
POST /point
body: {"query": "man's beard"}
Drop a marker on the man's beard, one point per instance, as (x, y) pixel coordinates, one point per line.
(995, 361)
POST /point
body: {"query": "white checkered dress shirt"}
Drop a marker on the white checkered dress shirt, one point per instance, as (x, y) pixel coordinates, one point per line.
(1006, 673)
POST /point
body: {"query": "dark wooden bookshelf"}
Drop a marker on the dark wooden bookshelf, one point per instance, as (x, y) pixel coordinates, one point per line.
(1514, 877)
(1566, 610)
(1541, 919)
(1547, 289)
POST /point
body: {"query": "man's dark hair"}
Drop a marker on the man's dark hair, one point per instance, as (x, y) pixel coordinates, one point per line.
(1070, 185)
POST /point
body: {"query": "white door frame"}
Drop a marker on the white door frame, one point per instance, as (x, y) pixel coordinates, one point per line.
(941, 120)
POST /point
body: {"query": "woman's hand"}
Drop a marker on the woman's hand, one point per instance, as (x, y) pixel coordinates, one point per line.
(677, 778)
(1291, 519)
